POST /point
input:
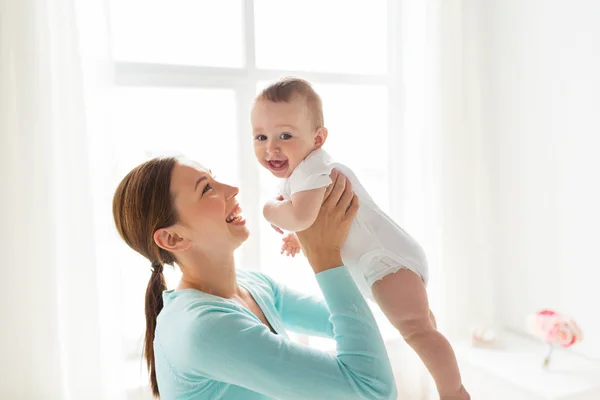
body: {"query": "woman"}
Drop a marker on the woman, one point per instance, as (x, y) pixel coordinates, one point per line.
(221, 333)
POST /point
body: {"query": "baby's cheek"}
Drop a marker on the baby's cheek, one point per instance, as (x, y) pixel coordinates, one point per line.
(258, 151)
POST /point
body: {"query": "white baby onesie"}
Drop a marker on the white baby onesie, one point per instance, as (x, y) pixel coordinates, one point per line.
(376, 246)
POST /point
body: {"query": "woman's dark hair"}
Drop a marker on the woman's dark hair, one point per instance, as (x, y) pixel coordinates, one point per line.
(142, 204)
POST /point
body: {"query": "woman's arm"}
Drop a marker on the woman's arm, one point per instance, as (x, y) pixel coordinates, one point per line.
(295, 214)
(301, 312)
(233, 347)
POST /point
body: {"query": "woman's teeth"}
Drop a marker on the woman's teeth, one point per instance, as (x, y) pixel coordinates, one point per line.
(234, 216)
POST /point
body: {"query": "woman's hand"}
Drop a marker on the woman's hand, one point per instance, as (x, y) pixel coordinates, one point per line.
(322, 242)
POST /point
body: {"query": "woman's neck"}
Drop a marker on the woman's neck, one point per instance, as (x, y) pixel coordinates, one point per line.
(214, 276)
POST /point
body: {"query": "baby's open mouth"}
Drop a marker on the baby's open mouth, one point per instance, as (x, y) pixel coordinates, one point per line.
(277, 165)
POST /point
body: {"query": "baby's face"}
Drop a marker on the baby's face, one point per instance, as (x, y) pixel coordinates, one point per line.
(283, 135)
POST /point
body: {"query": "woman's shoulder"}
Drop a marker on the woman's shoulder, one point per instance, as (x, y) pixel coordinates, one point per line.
(185, 307)
(191, 320)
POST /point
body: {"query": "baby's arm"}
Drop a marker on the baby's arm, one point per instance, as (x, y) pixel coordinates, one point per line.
(296, 214)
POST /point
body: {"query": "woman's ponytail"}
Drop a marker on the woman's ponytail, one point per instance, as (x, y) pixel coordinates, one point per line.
(154, 303)
(143, 204)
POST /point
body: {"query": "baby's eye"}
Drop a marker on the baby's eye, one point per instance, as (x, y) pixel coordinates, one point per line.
(260, 138)
(285, 136)
(206, 188)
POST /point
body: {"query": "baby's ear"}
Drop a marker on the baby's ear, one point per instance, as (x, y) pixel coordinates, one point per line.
(320, 137)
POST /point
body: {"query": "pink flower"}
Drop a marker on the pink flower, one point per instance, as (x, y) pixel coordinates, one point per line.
(554, 328)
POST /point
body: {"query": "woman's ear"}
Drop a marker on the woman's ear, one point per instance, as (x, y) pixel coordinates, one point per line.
(168, 239)
(320, 137)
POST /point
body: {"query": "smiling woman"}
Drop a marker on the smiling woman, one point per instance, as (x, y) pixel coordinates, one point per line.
(173, 211)
(149, 206)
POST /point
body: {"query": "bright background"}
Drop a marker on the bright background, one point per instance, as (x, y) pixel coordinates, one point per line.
(474, 124)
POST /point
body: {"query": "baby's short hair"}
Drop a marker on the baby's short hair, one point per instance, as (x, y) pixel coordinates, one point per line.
(285, 89)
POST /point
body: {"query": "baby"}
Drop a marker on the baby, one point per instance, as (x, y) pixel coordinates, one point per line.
(387, 264)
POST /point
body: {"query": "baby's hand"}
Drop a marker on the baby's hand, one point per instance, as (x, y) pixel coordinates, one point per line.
(291, 245)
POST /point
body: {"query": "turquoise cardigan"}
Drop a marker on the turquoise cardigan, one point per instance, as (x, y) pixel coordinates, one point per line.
(208, 347)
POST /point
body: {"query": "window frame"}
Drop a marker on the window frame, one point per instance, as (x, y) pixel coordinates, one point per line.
(244, 81)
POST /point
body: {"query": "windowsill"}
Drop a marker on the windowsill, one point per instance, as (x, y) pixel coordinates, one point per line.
(516, 363)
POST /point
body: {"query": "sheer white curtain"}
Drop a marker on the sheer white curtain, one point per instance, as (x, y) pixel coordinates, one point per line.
(445, 179)
(459, 178)
(51, 341)
(442, 114)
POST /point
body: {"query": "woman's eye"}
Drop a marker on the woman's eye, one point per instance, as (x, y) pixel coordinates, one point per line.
(206, 188)
(285, 136)
(261, 138)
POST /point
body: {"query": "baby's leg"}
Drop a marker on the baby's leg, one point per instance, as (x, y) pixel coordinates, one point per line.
(403, 299)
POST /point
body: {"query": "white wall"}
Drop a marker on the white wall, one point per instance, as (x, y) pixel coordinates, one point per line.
(540, 91)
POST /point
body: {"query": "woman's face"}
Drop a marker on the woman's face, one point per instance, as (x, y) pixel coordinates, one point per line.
(208, 212)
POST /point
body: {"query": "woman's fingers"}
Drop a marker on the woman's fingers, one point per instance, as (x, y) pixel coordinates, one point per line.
(336, 192)
(333, 176)
(352, 208)
(346, 196)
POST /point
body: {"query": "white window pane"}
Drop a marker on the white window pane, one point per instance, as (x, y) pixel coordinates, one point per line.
(322, 35)
(188, 32)
(200, 123)
(357, 120)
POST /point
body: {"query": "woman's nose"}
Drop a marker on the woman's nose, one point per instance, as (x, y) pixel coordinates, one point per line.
(231, 191)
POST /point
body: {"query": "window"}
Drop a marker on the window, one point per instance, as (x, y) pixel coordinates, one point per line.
(178, 32)
(186, 72)
(311, 36)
